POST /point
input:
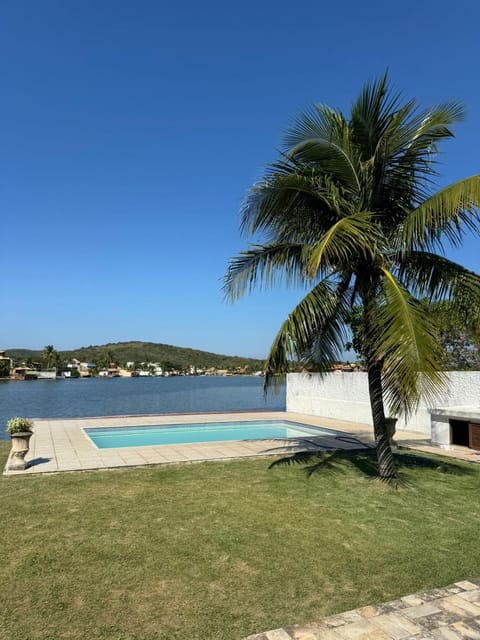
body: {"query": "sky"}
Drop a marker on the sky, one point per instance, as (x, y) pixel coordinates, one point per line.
(131, 132)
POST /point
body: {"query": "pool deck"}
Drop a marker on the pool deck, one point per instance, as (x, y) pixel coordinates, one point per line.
(62, 445)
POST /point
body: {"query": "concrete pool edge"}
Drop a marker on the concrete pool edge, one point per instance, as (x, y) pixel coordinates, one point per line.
(62, 445)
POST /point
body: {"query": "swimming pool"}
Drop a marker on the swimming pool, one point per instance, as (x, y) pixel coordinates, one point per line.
(143, 436)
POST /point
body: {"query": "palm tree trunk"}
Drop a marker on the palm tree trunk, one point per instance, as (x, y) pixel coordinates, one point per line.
(386, 464)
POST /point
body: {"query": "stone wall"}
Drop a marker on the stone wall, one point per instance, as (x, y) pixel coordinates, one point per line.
(345, 396)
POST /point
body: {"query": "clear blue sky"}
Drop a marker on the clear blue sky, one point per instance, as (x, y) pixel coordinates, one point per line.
(132, 130)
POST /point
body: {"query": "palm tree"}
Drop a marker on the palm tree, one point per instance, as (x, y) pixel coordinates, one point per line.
(106, 359)
(49, 355)
(350, 211)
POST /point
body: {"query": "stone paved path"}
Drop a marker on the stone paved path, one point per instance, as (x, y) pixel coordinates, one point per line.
(452, 613)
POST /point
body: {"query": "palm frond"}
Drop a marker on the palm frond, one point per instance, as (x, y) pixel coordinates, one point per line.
(320, 121)
(406, 340)
(446, 214)
(371, 116)
(314, 331)
(417, 132)
(348, 240)
(283, 196)
(330, 157)
(437, 278)
(265, 265)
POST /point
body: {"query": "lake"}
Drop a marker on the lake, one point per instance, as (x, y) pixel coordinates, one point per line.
(87, 397)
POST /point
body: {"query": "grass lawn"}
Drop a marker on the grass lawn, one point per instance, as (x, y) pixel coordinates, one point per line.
(221, 550)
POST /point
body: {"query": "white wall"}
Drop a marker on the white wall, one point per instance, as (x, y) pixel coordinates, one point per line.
(345, 396)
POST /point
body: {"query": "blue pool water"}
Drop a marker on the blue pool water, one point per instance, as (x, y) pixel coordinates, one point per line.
(113, 437)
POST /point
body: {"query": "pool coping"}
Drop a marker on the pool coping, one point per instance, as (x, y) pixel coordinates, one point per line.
(62, 445)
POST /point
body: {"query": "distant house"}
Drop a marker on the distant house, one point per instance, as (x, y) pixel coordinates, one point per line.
(111, 372)
(346, 367)
(84, 368)
(24, 373)
(127, 373)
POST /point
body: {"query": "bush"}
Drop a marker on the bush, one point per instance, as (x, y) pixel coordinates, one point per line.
(18, 425)
(4, 368)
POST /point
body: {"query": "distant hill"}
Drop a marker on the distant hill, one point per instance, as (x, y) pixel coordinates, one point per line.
(135, 351)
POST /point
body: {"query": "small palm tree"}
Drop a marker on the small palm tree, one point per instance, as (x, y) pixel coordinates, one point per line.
(49, 355)
(351, 212)
(106, 359)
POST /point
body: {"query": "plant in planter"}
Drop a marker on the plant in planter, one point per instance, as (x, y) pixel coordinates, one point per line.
(20, 430)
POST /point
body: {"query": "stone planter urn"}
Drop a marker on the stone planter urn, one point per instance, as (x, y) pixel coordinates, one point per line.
(391, 425)
(20, 447)
(20, 430)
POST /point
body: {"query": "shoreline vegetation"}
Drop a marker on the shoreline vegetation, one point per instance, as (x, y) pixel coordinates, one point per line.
(129, 359)
(122, 359)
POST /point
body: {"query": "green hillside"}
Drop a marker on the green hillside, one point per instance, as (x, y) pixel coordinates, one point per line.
(136, 351)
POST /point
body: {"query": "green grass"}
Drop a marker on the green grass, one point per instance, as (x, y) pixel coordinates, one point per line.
(221, 550)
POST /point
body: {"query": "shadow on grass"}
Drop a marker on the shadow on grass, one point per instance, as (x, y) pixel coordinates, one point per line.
(365, 461)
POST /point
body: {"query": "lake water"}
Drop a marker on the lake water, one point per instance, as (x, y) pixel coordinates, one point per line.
(133, 396)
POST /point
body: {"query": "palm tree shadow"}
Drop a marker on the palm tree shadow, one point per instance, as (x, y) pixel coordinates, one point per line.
(365, 461)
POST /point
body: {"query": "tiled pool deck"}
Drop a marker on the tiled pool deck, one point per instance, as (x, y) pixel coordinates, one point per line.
(62, 445)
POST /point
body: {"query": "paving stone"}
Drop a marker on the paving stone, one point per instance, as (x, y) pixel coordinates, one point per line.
(334, 621)
(427, 596)
(303, 633)
(329, 634)
(446, 633)
(466, 631)
(421, 610)
(356, 630)
(442, 619)
(396, 604)
(351, 616)
(307, 632)
(471, 596)
(369, 612)
(386, 607)
(442, 593)
(475, 623)
(412, 601)
(455, 603)
(278, 634)
(467, 585)
(396, 626)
